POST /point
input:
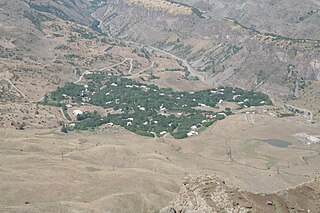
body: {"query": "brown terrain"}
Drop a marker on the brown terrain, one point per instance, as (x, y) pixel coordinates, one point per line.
(254, 161)
(209, 194)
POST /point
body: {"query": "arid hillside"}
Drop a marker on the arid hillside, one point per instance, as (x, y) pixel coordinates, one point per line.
(112, 106)
(233, 43)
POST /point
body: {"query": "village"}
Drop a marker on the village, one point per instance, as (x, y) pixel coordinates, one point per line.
(147, 109)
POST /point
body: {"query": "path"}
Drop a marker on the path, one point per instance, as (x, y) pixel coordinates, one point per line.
(104, 68)
(131, 66)
(21, 93)
(200, 75)
(145, 69)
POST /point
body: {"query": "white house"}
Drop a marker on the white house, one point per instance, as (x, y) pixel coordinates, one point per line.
(192, 133)
(109, 124)
(163, 133)
(236, 96)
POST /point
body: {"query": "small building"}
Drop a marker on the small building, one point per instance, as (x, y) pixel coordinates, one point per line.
(109, 124)
(192, 133)
(163, 133)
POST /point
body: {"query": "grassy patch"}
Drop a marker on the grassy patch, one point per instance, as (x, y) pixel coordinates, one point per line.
(250, 147)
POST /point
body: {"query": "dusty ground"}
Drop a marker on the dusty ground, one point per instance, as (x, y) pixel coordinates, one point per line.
(113, 170)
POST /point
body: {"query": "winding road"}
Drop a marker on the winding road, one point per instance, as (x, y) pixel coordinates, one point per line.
(200, 75)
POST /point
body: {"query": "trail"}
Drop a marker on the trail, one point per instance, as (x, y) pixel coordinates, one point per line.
(145, 69)
(114, 65)
(201, 76)
(63, 115)
(16, 88)
(104, 68)
(81, 77)
(131, 66)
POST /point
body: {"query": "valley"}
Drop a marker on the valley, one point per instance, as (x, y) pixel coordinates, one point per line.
(159, 106)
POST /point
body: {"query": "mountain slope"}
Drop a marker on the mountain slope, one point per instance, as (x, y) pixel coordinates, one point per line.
(224, 45)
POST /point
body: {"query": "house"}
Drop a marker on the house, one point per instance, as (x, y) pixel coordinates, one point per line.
(109, 124)
(142, 108)
(163, 133)
(313, 139)
(194, 128)
(204, 121)
(113, 84)
(129, 123)
(192, 133)
(236, 96)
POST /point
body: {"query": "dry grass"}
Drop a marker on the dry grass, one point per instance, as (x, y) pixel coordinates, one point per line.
(118, 171)
(163, 5)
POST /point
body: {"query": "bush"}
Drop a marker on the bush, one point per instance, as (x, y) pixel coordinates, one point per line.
(144, 133)
(64, 129)
(180, 134)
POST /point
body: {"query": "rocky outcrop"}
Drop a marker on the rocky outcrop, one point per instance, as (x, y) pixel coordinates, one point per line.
(205, 194)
